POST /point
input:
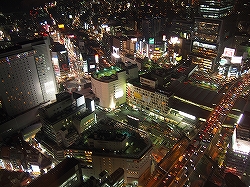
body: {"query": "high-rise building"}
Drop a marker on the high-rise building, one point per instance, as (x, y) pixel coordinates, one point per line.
(212, 32)
(215, 8)
(27, 76)
(209, 39)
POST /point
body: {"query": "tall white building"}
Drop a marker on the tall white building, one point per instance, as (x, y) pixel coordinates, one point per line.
(109, 86)
(26, 76)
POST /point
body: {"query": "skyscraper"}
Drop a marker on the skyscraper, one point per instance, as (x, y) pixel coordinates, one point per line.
(216, 8)
(27, 76)
(213, 31)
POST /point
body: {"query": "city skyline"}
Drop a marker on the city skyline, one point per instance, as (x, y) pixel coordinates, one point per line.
(147, 93)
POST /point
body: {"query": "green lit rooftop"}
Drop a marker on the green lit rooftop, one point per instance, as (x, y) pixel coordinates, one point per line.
(107, 73)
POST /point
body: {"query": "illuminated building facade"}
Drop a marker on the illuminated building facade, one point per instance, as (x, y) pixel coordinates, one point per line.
(63, 121)
(238, 154)
(205, 42)
(109, 85)
(27, 76)
(212, 32)
(60, 59)
(215, 8)
(146, 97)
(230, 65)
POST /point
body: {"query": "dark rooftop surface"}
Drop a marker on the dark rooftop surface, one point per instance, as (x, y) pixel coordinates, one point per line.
(54, 174)
(195, 94)
(108, 136)
(138, 144)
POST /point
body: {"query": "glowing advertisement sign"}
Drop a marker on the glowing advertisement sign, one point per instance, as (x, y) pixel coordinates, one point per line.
(151, 41)
(228, 52)
(55, 63)
(164, 38)
(236, 59)
(223, 61)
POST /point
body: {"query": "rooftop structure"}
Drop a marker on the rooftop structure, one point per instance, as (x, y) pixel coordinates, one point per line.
(108, 140)
(106, 75)
(216, 9)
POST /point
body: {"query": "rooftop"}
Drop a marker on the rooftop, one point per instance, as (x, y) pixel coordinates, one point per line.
(138, 143)
(107, 74)
(108, 136)
(195, 94)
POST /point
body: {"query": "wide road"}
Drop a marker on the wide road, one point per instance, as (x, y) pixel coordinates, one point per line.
(166, 164)
(172, 171)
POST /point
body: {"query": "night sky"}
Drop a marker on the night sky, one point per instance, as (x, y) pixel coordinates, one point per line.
(19, 5)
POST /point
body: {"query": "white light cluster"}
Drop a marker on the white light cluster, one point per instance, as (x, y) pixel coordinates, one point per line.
(187, 115)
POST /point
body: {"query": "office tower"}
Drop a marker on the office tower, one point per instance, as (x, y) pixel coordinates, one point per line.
(66, 173)
(209, 39)
(205, 42)
(213, 31)
(215, 8)
(27, 76)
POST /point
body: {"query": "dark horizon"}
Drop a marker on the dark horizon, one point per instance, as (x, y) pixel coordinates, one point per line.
(8, 6)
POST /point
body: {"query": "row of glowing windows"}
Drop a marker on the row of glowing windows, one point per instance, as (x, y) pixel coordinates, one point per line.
(147, 93)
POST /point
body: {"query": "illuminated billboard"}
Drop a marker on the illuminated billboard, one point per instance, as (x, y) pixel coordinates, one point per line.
(151, 41)
(49, 87)
(115, 52)
(55, 63)
(164, 38)
(61, 26)
(89, 63)
(223, 61)
(236, 59)
(228, 52)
